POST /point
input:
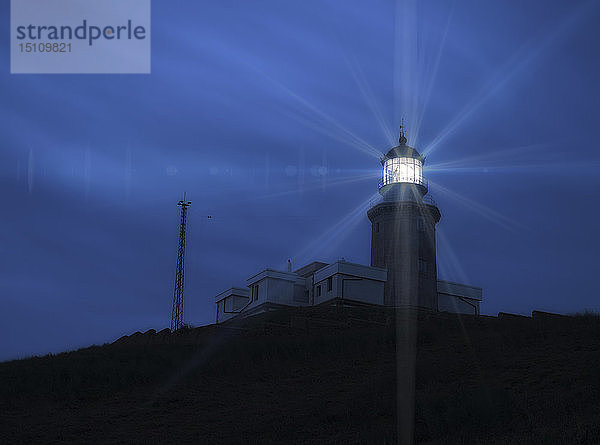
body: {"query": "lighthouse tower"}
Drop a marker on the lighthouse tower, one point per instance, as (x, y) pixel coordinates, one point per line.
(403, 230)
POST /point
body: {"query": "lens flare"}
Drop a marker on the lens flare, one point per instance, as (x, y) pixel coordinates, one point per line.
(522, 59)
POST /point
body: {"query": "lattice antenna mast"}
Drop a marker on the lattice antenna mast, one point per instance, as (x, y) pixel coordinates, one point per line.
(177, 313)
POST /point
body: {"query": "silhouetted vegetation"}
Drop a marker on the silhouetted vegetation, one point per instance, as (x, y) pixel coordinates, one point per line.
(318, 375)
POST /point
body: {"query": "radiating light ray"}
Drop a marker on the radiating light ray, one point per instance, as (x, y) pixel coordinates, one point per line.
(406, 353)
(453, 268)
(316, 186)
(30, 171)
(200, 357)
(560, 167)
(479, 169)
(341, 137)
(458, 269)
(266, 216)
(482, 210)
(324, 177)
(526, 55)
(568, 169)
(489, 156)
(432, 77)
(414, 72)
(405, 86)
(350, 176)
(405, 90)
(357, 141)
(368, 96)
(326, 240)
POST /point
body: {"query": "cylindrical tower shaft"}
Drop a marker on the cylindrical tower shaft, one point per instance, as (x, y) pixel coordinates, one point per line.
(403, 230)
(403, 242)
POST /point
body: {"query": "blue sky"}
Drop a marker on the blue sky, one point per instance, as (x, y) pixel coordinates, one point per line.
(271, 116)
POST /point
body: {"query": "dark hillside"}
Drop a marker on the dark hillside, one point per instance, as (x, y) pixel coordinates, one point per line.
(318, 375)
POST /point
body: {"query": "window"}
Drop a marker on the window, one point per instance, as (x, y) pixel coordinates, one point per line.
(376, 227)
(403, 170)
(318, 291)
(329, 284)
(420, 224)
(255, 292)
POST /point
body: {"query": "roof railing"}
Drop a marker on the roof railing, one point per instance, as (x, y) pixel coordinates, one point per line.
(427, 199)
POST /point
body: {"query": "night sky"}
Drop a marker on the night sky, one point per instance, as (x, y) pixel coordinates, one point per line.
(272, 116)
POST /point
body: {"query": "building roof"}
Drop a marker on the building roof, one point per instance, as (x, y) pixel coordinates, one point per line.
(352, 269)
(233, 291)
(459, 290)
(276, 275)
(402, 151)
(310, 269)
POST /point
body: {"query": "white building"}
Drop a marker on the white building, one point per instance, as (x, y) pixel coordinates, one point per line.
(321, 283)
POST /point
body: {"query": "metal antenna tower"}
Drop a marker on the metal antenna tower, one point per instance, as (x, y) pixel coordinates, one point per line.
(177, 313)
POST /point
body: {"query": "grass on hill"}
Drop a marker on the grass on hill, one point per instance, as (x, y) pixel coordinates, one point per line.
(318, 375)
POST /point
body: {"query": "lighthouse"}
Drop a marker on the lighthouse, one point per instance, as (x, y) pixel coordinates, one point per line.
(403, 270)
(403, 230)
